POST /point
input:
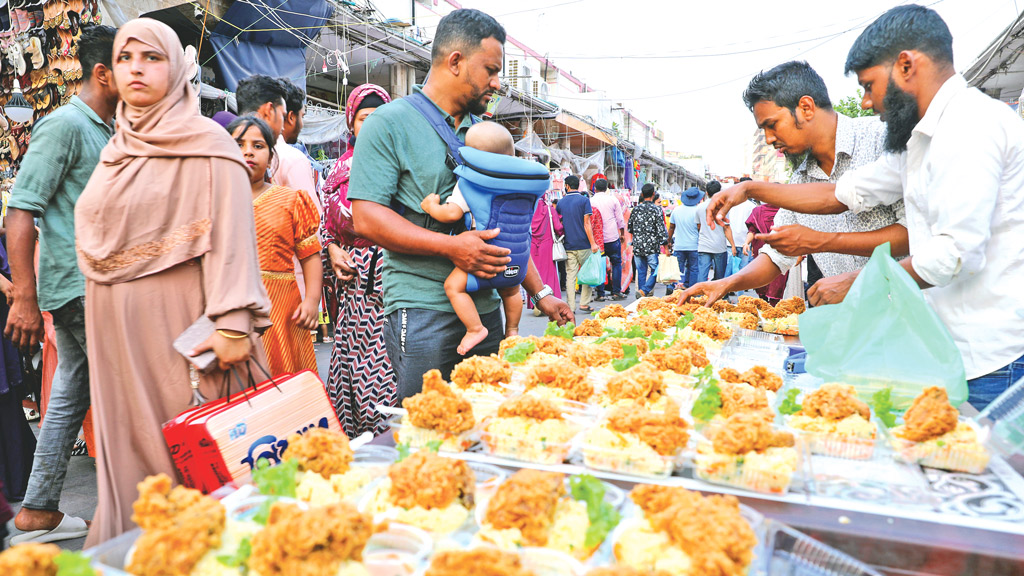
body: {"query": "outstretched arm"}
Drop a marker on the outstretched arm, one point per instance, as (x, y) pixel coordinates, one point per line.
(811, 198)
(797, 240)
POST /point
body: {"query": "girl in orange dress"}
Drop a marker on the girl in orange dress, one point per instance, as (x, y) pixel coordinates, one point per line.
(287, 223)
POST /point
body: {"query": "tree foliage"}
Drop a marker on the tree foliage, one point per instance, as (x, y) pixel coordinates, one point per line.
(850, 106)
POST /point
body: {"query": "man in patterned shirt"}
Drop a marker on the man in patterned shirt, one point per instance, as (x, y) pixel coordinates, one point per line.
(791, 104)
(647, 225)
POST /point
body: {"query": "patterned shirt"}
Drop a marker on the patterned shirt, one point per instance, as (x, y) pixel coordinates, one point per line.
(859, 141)
(647, 225)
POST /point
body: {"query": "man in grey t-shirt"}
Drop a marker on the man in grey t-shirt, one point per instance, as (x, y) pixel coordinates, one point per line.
(712, 252)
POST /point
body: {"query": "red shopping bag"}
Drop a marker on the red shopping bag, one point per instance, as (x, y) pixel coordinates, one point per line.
(221, 441)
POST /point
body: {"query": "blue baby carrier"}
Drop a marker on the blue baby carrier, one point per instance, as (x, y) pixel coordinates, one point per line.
(501, 191)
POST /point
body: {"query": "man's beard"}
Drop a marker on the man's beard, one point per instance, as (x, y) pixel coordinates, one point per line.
(477, 106)
(901, 116)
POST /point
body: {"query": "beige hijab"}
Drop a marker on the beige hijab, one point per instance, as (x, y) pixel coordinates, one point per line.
(147, 206)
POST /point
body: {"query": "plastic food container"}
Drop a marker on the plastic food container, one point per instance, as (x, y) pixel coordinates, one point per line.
(972, 458)
(417, 437)
(398, 551)
(773, 477)
(1005, 415)
(111, 557)
(613, 495)
(533, 444)
(791, 552)
(628, 460)
(837, 445)
(611, 552)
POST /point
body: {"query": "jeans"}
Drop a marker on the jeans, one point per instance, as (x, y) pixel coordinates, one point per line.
(69, 401)
(645, 283)
(687, 260)
(983, 390)
(420, 340)
(706, 261)
(575, 261)
(613, 250)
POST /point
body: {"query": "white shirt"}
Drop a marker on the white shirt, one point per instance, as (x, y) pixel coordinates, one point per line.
(962, 178)
(859, 142)
(738, 221)
(709, 241)
(294, 171)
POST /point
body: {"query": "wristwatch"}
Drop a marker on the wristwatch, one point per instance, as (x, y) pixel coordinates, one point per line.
(544, 293)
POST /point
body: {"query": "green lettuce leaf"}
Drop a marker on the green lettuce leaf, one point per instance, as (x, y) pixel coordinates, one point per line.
(567, 331)
(240, 559)
(520, 352)
(276, 480)
(789, 404)
(709, 402)
(72, 564)
(602, 515)
(629, 359)
(881, 401)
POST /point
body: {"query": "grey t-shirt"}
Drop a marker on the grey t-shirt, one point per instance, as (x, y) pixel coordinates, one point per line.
(710, 241)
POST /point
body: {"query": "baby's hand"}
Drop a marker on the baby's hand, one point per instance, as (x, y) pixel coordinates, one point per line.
(430, 201)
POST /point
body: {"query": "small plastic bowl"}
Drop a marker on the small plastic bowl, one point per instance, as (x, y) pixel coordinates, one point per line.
(398, 551)
(626, 461)
(417, 437)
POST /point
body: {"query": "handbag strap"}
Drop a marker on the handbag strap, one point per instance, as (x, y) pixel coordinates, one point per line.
(551, 222)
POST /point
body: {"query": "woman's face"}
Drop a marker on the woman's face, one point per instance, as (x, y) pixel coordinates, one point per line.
(142, 74)
(255, 150)
(357, 123)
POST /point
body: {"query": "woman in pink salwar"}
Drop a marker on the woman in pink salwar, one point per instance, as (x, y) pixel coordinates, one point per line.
(542, 242)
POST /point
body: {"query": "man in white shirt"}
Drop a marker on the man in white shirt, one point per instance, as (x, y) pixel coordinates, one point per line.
(790, 103)
(957, 158)
(294, 169)
(712, 253)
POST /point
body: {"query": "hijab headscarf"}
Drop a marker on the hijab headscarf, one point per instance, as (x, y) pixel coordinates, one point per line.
(148, 204)
(338, 178)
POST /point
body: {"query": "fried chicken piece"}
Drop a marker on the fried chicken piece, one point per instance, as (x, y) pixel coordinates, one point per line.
(723, 306)
(654, 304)
(589, 327)
(690, 307)
(511, 341)
(698, 355)
(669, 316)
(674, 359)
(641, 382)
(481, 561)
(730, 375)
(649, 323)
(567, 377)
(310, 542)
(527, 501)
(794, 305)
(757, 303)
(491, 370)
(529, 407)
(710, 530)
(29, 560)
(594, 355)
(745, 432)
(438, 407)
(665, 432)
(711, 327)
(640, 343)
(739, 398)
(431, 481)
(835, 402)
(760, 377)
(179, 527)
(748, 321)
(552, 345)
(612, 311)
(320, 450)
(930, 416)
(747, 308)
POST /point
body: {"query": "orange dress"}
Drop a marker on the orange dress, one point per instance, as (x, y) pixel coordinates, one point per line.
(287, 223)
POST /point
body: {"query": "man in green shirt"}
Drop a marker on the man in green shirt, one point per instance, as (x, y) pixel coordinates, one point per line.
(65, 149)
(398, 161)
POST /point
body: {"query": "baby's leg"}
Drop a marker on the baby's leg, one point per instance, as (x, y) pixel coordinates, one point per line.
(513, 304)
(465, 309)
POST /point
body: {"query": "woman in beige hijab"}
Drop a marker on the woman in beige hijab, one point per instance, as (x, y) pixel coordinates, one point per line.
(165, 235)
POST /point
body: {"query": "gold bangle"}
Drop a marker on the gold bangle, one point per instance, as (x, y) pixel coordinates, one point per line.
(231, 336)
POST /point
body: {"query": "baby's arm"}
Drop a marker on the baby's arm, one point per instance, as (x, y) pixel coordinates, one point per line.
(445, 213)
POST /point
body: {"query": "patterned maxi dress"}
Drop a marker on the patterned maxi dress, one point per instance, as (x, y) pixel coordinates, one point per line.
(361, 375)
(286, 225)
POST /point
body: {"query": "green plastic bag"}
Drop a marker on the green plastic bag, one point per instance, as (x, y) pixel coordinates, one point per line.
(883, 334)
(593, 272)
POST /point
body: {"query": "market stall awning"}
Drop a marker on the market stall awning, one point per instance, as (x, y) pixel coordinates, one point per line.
(256, 37)
(570, 121)
(999, 70)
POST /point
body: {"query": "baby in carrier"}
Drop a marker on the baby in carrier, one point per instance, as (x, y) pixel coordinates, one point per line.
(487, 137)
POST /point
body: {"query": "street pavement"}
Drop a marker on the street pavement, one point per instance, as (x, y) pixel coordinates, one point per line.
(79, 495)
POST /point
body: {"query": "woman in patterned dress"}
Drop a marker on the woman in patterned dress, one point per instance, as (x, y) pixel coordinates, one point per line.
(361, 376)
(286, 224)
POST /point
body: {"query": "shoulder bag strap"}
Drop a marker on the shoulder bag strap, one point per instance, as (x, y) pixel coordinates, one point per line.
(424, 106)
